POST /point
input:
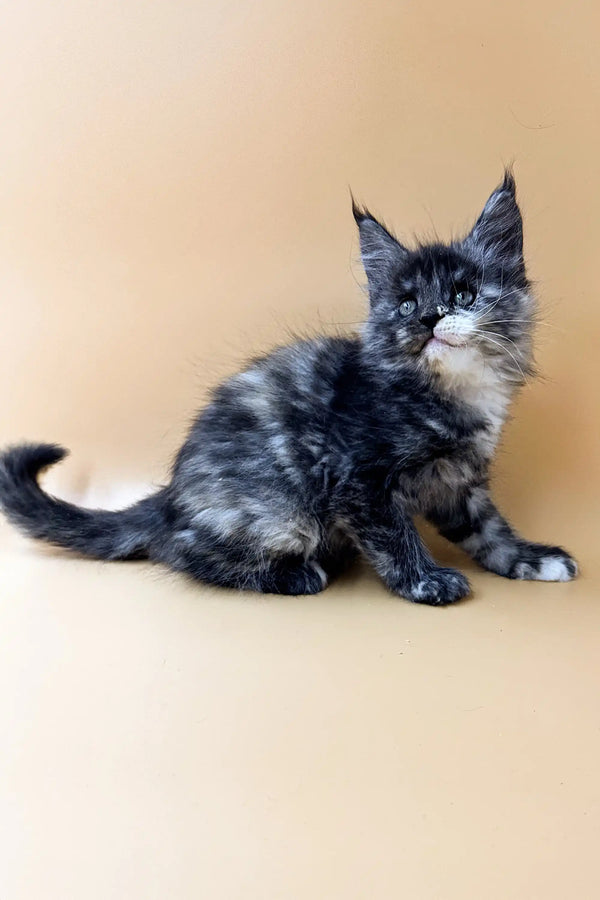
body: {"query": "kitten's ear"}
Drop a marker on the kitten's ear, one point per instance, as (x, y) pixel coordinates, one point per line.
(382, 255)
(498, 232)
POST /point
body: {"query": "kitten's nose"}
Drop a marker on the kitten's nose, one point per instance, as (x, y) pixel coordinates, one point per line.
(431, 320)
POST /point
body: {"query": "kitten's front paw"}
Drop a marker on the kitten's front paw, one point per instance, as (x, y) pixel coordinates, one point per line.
(538, 562)
(439, 587)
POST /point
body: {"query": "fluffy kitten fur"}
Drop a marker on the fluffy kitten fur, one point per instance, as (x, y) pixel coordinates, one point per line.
(329, 447)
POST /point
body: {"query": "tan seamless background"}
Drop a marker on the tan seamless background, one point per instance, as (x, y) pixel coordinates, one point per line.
(174, 197)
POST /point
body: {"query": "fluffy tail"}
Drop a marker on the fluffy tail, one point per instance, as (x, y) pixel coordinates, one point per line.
(125, 534)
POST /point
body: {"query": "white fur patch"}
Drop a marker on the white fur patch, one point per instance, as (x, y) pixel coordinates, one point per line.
(320, 572)
(464, 373)
(552, 568)
(419, 591)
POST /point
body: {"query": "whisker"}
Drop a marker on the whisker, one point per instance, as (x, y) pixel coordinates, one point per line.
(487, 308)
(504, 337)
(531, 321)
(492, 306)
(486, 337)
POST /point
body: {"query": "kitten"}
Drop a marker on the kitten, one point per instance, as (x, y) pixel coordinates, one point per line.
(329, 447)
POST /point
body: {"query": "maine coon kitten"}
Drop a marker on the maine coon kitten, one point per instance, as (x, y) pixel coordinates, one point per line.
(329, 447)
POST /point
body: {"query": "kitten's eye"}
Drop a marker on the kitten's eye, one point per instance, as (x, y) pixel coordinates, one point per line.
(407, 307)
(464, 297)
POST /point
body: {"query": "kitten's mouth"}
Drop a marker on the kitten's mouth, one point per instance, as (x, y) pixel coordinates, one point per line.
(437, 344)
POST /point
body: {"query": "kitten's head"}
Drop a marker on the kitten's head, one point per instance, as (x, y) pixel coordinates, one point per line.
(451, 311)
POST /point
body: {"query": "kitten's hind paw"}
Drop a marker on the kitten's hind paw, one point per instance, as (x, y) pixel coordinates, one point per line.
(293, 578)
(439, 588)
(538, 562)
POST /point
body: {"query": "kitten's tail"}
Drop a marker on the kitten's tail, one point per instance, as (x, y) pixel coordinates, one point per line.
(124, 534)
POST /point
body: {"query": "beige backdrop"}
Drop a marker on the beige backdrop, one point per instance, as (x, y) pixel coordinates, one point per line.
(174, 197)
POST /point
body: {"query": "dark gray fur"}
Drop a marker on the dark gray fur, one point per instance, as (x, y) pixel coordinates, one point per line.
(329, 447)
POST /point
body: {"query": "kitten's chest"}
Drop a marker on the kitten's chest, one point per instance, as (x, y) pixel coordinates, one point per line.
(432, 483)
(453, 450)
(439, 474)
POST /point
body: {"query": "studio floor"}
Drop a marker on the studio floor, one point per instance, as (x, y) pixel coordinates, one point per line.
(162, 739)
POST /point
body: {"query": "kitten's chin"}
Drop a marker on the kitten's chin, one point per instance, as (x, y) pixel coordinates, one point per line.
(436, 346)
(454, 360)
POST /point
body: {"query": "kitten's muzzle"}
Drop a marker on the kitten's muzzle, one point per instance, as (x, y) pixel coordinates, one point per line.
(445, 334)
(448, 337)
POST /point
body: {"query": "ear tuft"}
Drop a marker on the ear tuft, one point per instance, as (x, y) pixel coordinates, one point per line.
(359, 212)
(382, 254)
(509, 183)
(498, 232)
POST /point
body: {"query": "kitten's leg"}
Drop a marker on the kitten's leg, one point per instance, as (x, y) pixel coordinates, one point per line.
(277, 557)
(391, 543)
(282, 575)
(336, 553)
(276, 575)
(473, 522)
